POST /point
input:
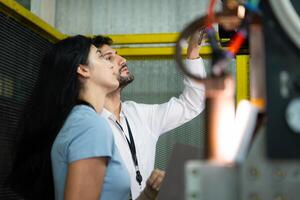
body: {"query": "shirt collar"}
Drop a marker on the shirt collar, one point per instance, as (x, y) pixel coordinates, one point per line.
(107, 114)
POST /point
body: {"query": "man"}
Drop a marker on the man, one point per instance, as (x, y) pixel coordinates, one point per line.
(137, 127)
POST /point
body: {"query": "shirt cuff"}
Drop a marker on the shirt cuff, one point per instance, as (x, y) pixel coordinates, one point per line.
(196, 67)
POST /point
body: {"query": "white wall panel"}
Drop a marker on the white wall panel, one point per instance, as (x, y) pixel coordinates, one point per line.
(126, 16)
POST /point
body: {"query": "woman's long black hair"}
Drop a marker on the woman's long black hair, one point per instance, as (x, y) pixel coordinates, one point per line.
(55, 95)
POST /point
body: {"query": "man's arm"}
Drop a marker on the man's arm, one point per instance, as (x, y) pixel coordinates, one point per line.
(191, 102)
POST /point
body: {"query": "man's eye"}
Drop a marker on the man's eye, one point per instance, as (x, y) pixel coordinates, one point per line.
(109, 58)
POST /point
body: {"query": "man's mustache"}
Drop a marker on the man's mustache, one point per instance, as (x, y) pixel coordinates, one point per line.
(122, 67)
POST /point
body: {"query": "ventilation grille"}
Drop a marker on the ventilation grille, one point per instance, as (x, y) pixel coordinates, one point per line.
(20, 53)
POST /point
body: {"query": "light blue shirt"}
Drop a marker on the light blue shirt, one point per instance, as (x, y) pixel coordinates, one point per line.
(85, 135)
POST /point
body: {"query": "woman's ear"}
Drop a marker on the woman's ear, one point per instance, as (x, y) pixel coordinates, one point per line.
(83, 71)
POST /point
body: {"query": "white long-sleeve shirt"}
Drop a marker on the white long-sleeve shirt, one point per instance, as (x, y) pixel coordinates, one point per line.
(147, 122)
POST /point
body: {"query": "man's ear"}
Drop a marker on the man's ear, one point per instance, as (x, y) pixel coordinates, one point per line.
(83, 71)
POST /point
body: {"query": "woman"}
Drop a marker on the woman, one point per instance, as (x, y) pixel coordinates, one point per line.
(62, 127)
(83, 154)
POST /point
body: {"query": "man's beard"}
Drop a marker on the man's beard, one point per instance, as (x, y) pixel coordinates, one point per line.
(125, 80)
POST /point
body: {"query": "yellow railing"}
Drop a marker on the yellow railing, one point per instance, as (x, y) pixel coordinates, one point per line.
(145, 38)
(242, 78)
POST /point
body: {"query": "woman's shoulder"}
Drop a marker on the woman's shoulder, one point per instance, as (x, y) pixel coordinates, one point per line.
(84, 120)
(86, 115)
(84, 134)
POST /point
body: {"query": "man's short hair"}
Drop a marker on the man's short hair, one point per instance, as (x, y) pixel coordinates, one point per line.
(101, 40)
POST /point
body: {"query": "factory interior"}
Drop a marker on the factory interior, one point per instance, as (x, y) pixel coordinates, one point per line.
(231, 132)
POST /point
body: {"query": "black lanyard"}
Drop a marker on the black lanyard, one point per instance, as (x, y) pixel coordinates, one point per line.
(82, 102)
(131, 145)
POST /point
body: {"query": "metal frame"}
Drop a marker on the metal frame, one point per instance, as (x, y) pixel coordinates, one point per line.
(34, 23)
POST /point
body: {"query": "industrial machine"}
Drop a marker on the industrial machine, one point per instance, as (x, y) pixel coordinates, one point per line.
(252, 147)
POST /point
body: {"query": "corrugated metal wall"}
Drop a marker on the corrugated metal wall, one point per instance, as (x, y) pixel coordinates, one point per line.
(126, 16)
